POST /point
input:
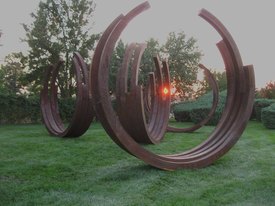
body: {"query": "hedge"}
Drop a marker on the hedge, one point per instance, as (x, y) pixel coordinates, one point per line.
(182, 111)
(198, 110)
(199, 114)
(18, 109)
(259, 104)
(268, 116)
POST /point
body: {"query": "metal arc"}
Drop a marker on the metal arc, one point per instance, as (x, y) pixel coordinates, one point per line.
(83, 114)
(215, 92)
(227, 132)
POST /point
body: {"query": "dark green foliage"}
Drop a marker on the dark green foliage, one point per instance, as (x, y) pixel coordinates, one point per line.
(183, 115)
(147, 62)
(184, 56)
(220, 78)
(197, 110)
(182, 111)
(12, 74)
(218, 113)
(60, 27)
(253, 113)
(18, 109)
(66, 108)
(199, 114)
(116, 61)
(202, 108)
(268, 116)
(259, 104)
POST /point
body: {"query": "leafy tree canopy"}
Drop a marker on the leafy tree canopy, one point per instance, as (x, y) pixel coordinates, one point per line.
(184, 56)
(12, 74)
(60, 27)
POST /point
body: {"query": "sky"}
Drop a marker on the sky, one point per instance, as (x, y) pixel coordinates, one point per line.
(251, 23)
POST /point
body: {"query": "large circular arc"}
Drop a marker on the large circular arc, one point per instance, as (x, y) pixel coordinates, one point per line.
(191, 159)
(215, 92)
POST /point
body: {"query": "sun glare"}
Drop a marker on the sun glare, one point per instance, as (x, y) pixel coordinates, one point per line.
(165, 91)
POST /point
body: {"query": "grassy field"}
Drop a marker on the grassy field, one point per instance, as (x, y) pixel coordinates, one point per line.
(37, 169)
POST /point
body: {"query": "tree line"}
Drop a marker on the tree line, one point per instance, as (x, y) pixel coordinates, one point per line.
(61, 27)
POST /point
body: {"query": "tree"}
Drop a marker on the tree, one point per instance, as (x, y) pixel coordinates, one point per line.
(12, 73)
(183, 57)
(268, 91)
(220, 78)
(147, 62)
(60, 27)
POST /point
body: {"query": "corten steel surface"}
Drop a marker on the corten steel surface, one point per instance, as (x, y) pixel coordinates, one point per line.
(149, 93)
(83, 114)
(213, 84)
(240, 95)
(130, 104)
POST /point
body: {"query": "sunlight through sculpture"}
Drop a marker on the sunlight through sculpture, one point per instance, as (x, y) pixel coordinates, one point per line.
(236, 114)
(130, 104)
(142, 112)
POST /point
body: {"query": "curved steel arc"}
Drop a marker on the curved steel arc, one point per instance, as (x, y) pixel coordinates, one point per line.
(148, 132)
(215, 92)
(83, 113)
(149, 94)
(227, 132)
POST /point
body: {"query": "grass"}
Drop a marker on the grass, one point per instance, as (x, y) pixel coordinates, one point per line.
(37, 169)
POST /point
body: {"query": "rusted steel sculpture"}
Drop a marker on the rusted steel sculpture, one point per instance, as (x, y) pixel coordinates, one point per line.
(210, 78)
(149, 93)
(83, 113)
(130, 107)
(236, 114)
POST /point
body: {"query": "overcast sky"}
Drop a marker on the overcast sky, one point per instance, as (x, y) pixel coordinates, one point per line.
(251, 24)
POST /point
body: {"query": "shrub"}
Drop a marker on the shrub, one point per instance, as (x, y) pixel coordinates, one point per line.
(203, 107)
(259, 104)
(199, 114)
(66, 108)
(253, 113)
(18, 109)
(182, 111)
(268, 116)
(198, 110)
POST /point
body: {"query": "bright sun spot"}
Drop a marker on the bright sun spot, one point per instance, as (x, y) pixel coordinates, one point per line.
(165, 90)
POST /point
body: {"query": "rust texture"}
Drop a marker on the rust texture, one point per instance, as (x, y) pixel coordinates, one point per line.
(130, 104)
(83, 113)
(212, 82)
(240, 94)
(143, 111)
(149, 93)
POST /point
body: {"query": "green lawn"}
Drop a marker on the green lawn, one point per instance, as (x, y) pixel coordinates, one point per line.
(37, 169)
